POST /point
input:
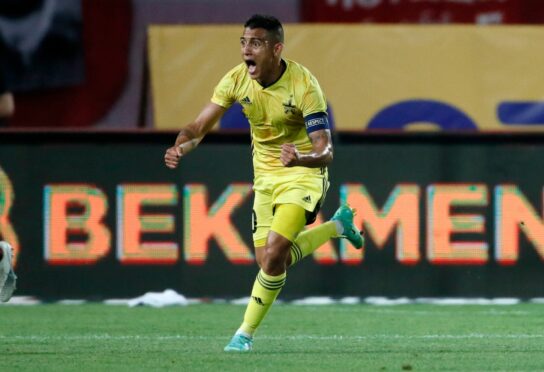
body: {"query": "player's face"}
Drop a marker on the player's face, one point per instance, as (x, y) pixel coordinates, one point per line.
(260, 53)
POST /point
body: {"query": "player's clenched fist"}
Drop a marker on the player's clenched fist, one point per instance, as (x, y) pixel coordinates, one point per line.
(172, 157)
(289, 155)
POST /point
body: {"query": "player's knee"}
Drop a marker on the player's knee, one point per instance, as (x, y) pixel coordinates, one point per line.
(259, 261)
(273, 261)
(275, 254)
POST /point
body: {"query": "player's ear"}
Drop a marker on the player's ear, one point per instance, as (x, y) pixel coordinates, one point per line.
(278, 48)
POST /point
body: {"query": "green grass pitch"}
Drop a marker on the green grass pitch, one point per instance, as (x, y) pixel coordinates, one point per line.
(99, 337)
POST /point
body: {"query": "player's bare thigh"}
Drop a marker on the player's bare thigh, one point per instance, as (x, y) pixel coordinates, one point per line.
(288, 221)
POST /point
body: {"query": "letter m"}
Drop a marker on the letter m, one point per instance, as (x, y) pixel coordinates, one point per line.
(400, 213)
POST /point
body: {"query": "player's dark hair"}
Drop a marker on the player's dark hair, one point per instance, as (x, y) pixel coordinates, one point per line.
(269, 23)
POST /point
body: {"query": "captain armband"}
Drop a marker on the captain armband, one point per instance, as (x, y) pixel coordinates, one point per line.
(316, 121)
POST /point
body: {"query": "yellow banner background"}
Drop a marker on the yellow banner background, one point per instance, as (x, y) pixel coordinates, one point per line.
(362, 69)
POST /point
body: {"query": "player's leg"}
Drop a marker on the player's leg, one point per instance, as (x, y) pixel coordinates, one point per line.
(340, 226)
(7, 275)
(272, 258)
(311, 190)
(286, 245)
(308, 241)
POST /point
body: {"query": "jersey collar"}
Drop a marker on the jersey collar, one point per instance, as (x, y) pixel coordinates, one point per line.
(285, 66)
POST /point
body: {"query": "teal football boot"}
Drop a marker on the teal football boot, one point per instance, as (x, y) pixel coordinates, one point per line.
(239, 343)
(344, 215)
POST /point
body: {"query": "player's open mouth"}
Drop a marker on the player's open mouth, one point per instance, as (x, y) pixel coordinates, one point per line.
(251, 66)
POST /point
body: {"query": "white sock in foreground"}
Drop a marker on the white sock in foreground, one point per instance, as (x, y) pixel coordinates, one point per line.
(339, 227)
(8, 278)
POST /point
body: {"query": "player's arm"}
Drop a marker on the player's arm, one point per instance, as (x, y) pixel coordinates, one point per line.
(317, 126)
(320, 156)
(190, 136)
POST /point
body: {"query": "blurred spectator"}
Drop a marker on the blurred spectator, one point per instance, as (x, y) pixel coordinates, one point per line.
(41, 43)
(7, 107)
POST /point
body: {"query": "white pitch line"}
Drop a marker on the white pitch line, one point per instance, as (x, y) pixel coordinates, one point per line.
(105, 337)
(442, 312)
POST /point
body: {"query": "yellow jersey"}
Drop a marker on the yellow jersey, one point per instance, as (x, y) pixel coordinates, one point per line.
(276, 114)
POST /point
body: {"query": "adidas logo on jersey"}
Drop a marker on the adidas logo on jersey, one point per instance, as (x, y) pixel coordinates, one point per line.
(246, 101)
(307, 199)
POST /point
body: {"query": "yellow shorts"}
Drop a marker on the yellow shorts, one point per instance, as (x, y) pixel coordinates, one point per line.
(305, 190)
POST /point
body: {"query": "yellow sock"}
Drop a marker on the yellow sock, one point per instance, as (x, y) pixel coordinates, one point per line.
(265, 290)
(308, 241)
